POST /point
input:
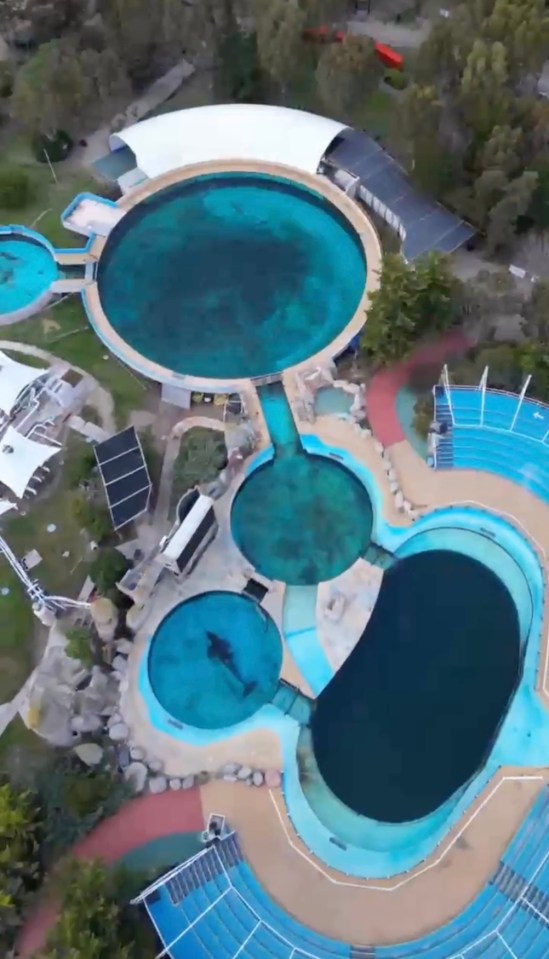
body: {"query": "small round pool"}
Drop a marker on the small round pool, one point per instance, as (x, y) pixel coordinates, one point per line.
(27, 270)
(302, 519)
(231, 275)
(214, 660)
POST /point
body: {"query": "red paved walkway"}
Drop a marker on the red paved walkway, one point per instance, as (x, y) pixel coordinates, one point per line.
(382, 394)
(137, 823)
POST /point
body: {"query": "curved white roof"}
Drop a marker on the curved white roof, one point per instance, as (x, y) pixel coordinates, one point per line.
(14, 379)
(235, 131)
(20, 457)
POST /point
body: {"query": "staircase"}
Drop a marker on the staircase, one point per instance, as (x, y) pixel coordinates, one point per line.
(444, 455)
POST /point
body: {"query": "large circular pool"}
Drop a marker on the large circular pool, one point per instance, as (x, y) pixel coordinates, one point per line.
(231, 275)
(27, 270)
(302, 519)
(214, 660)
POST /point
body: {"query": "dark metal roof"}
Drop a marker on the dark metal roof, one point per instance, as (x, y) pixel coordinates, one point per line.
(125, 476)
(428, 226)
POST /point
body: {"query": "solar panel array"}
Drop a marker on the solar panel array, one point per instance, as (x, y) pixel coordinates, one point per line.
(428, 225)
(125, 476)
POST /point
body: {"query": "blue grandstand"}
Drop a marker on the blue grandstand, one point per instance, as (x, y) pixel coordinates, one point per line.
(213, 907)
(494, 431)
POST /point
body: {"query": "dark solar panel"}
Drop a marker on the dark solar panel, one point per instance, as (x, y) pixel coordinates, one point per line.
(121, 465)
(119, 443)
(428, 226)
(128, 509)
(125, 476)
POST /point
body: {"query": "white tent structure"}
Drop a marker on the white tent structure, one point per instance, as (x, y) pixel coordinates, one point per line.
(238, 131)
(20, 458)
(15, 379)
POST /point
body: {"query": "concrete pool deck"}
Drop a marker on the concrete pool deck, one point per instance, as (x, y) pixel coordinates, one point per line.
(358, 910)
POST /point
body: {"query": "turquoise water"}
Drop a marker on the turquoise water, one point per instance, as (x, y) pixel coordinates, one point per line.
(332, 400)
(299, 518)
(232, 275)
(406, 400)
(360, 845)
(215, 660)
(27, 270)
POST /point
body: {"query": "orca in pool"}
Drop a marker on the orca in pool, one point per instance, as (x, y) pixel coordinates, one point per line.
(220, 649)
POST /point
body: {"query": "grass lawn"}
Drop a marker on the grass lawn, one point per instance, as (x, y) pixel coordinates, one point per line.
(64, 331)
(22, 753)
(16, 633)
(58, 574)
(49, 198)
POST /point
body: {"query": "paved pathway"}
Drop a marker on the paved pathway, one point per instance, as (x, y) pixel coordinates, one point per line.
(383, 390)
(394, 34)
(138, 822)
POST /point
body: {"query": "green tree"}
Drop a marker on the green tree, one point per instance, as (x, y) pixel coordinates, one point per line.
(420, 114)
(279, 27)
(240, 76)
(484, 97)
(346, 73)
(107, 569)
(502, 150)
(539, 206)
(19, 857)
(147, 36)
(80, 466)
(106, 77)
(411, 301)
(50, 89)
(79, 645)
(515, 203)
(536, 314)
(523, 26)
(90, 924)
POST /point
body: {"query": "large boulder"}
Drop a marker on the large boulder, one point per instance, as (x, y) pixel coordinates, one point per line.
(273, 778)
(136, 775)
(119, 732)
(90, 753)
(257, 778)
(158, 784)
(244, 772)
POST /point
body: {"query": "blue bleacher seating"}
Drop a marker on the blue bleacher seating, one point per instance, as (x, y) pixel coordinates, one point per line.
(215, 908)
(491, 432)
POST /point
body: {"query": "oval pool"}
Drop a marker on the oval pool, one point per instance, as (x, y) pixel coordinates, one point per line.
(231, 275)
(412, 714)
(215, 660)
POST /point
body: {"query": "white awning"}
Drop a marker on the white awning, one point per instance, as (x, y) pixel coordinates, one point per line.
(14, 379)
(234, 131)
(20, 457)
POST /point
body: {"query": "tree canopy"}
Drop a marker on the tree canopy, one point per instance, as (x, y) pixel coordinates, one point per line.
(346, 73)
(411, 302)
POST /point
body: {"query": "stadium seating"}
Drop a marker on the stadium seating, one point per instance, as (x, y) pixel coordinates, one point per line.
(479, 436)
(213, 907)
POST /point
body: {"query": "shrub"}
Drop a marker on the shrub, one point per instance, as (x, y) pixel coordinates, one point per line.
(95, 519)
(55, 148)
(19, 858)
(6, 79)
(15, 188)
(423, 415)
(396, 79)
(79, 468)
(79, 645)
(107, 569)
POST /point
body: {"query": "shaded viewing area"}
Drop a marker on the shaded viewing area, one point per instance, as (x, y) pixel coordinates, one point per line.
(413, 712)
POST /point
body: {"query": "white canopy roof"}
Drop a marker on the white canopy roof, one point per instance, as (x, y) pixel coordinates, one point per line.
(14, 378)
(175, 546)
(20, 457)
(235, 131)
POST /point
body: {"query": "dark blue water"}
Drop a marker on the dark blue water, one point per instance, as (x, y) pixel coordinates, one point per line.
(214, 660)
(411, 715)
(300, 518)
(231, 275)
